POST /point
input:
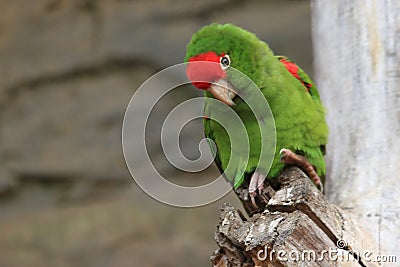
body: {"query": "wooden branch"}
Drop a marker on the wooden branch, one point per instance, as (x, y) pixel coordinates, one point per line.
(298, 227)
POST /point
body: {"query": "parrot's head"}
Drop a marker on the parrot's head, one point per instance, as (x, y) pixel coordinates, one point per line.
(231, 48)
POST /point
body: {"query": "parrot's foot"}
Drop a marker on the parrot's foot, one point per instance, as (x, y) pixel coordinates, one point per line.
(288, 157)
(256, 182)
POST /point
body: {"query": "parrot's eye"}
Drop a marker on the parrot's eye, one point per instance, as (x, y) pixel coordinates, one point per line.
(225, 62)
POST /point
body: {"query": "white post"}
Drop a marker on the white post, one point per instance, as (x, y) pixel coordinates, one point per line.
(357, 70)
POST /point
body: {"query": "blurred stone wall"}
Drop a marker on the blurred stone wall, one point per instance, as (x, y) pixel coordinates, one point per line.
(68, 70)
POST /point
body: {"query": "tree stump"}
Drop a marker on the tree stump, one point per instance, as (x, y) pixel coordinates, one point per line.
(297, 227)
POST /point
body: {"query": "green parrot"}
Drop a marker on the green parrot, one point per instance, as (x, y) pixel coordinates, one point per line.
(301, 129)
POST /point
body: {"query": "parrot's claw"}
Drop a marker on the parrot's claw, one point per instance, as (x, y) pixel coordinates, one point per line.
(260, 189)
(321, 186)
(289, 157)
(260, 183)
(256, 182)
(253, 200)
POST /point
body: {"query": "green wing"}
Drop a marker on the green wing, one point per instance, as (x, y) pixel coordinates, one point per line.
(209, 133)
(310, 88)
(222, 149)
(306, 81)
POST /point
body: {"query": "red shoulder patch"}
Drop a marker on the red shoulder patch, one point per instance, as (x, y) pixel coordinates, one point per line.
(293, 69)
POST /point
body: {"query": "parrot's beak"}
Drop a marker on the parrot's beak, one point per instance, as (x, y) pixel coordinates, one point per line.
(223, 91)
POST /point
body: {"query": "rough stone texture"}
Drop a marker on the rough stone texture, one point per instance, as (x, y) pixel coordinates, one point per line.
(68, 71)
(53, 37)
(111, 228)
(60, 129)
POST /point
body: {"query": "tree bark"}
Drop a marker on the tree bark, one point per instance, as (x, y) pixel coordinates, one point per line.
(357, 69)
(298, 227)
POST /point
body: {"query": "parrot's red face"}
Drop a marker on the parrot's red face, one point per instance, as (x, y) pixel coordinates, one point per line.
(212, 77)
